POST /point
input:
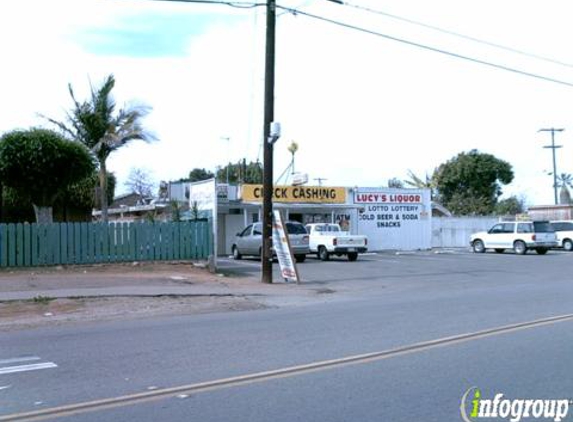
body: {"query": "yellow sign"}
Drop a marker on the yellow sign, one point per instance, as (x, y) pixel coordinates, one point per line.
(296, 194)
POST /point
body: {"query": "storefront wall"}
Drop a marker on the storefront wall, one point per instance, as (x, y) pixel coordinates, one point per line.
(396, 219)
(393, 219)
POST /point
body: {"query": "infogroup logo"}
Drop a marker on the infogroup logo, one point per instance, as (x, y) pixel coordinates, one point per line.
(474, 407)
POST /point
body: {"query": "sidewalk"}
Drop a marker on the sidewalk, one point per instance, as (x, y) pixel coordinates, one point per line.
(146, 279)
(111, 291)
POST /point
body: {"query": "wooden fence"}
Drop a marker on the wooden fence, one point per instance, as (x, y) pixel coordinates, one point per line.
(30, 245)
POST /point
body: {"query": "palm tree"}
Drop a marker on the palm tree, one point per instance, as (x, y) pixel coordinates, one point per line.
(417, 182)
(95, 124)
(565, 180)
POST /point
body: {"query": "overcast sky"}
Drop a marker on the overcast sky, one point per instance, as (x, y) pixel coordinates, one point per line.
(363, 108)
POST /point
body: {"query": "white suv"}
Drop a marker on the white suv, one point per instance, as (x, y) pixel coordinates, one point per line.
(564, 230)
(517, 235)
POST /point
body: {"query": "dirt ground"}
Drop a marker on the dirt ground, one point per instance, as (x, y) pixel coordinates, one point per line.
(201, 292)
(29, 314)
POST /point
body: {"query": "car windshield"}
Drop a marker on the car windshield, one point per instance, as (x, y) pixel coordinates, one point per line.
(295, 228)
(543, 227)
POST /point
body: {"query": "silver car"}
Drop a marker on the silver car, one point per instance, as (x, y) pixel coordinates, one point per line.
(250, 241)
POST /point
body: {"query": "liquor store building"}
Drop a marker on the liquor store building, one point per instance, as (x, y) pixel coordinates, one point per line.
(393, 219)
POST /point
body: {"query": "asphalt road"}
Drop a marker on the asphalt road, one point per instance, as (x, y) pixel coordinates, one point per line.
(382, 304)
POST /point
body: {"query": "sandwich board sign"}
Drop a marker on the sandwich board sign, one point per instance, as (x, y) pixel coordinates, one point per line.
(283, 251)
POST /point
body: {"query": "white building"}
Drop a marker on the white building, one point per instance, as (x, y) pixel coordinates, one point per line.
(397, 219)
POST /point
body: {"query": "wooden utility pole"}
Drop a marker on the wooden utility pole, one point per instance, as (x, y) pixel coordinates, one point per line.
(266, 255)
(553, 147)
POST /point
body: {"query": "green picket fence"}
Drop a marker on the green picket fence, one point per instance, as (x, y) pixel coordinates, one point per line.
(30, 245)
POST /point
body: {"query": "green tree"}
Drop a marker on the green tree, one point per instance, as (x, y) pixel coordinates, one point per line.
(195, 211)
(176, 210)
(74, 203)
(510, 206)
(252, 173)
(470, 183)
(95, 123)
(78, 200)
(40, 164)
(16, 208)
(241, 172)
(395, 183)
(197, 175)
(419, 183)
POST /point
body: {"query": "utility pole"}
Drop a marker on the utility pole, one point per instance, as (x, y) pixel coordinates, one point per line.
(266, 256)
(553, 148)
(320, 180)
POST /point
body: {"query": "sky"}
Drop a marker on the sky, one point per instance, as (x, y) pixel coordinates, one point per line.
(362, 107)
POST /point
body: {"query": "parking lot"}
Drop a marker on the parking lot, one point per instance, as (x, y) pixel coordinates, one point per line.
(422, 269)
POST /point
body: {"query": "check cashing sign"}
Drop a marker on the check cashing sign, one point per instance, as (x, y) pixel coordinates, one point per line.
(281, 244)
(296, 194)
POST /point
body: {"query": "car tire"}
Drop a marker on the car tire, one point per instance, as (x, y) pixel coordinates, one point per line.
(568, 245)
(478, 246)
(352, 256)
(541, 251)
(323, 254)
(499, 250)
(300, 258)
(236, 254)
(519, 247)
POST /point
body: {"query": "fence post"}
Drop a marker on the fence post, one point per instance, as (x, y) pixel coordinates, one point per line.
(19, 245)
(27, 245)
(3, 245)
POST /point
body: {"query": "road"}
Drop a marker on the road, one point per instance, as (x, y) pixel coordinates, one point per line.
(382, 305)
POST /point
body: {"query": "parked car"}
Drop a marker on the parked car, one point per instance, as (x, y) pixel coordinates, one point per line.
(564, 231)
(329, 239)
(520, 236)
(250, 241)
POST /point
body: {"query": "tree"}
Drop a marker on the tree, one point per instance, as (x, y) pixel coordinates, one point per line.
(395, 183)
(419, 183)
(176, 210)
(16, 208)
(74, 203)
(242, 172)
(40, 164)
(470, 183)
(78, 200)
(252, 173)
(565, 180)
(510, 206)
(197, 175)
(95, 124)
(195, 211)
(139, 182)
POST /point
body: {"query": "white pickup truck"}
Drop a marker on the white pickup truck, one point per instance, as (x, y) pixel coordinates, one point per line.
(328, 239)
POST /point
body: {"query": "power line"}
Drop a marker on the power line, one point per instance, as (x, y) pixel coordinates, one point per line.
(427, 47)
(304, 4)
(237, 4)
(453, 33)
